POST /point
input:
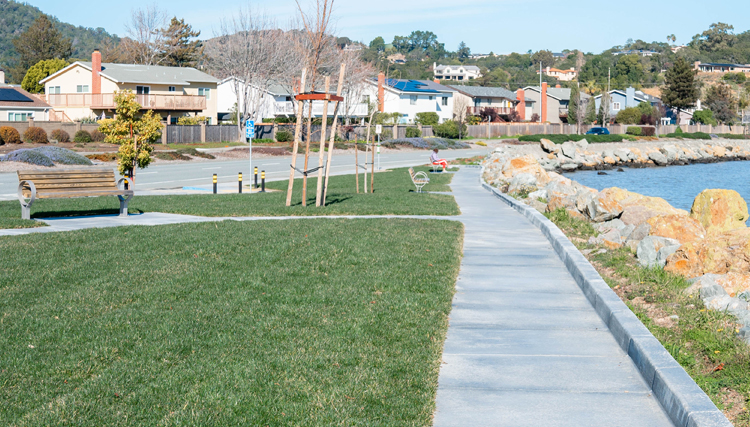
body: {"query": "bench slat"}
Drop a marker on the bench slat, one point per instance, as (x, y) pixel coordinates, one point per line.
(75, 194)
(41, 181)
(67, 176)
(41, 187)
(64, 171)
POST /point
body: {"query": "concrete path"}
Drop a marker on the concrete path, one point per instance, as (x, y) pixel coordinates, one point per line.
(524, 346)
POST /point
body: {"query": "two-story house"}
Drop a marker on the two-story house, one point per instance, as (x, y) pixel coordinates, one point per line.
(620, 100)
(87, 89)
(409, 97)
(456, 72)
(503, 101)
(553, 102)
(562, 75)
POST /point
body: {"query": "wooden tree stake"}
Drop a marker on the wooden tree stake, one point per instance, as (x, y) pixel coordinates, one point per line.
(322, 151)
(297, 131)
(339, 90)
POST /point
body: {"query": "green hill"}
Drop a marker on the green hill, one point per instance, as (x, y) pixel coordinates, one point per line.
(16, 17)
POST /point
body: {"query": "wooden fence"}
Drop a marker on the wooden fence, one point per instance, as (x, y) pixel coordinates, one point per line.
(495, 130)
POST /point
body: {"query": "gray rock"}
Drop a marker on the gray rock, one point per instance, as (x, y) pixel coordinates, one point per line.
(671, 152)
(569, 149)
(582, 144)
(745, 334)
(664, 253)
(522, 181)
(623, 154)
(658, 158)
(609, 153)
(615, 224)
(737, 306)
(632, 245)
(539, 194)
(648, 250)
(718, 303)
(744, 296)
(712, 290)
(697, 283)
(569, 166)
(627, 231)
(549, 146)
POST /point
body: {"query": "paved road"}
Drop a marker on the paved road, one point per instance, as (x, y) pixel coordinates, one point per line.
(198, 174)
(524, 345)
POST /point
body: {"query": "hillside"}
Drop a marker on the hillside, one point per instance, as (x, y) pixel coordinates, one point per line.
(16, 17)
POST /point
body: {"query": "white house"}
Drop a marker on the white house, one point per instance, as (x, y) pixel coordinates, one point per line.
(456, 72)
(17, 105)
(409, 97)
(562, 75)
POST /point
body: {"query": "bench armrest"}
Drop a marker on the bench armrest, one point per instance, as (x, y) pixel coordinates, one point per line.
(130, 187)
(422, 175)
(32, 189)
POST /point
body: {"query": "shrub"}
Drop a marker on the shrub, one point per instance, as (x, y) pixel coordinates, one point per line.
(195, 153)
(648, 131)
(678, 130)
(685, 135)
(429, 118)
(103, 157)
(82, 136)
(28, 155)
(35, 135)
(191, 120)
(97, 136)
(448, 129)
(60, 135)
(633, 130)
(413, 133)
(63, 156)
(426, 143)
(10, 135)
(284, 136)
(629, 116)
(705, 117)
(481, 144)
(733, 136)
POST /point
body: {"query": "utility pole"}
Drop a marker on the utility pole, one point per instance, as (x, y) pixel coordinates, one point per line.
(540, 92)
(578, 109)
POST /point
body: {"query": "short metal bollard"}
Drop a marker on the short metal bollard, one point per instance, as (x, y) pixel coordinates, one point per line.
(256, 177)
(215, 183)
(263, 181)
(240, 182)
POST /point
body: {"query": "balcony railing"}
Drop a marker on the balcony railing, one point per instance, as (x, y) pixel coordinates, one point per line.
(148, 102)
(287, 108)
(563, 112)
(475, 111)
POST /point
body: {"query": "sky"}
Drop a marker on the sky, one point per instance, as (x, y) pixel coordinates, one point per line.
(499, 26)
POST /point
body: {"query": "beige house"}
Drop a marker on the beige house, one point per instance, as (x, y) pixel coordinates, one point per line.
(87, 89)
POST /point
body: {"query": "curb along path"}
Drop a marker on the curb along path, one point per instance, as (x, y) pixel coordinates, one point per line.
(524, 346)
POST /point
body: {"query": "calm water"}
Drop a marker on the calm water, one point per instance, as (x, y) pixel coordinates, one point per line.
(676, 184)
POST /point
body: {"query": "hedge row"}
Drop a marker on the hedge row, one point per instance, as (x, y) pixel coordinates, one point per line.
(559, 139)
(686, 135)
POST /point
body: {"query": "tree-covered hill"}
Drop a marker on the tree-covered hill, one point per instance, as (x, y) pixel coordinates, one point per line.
(16, 17)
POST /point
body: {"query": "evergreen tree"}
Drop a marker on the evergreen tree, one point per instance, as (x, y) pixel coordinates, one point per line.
(574, 105)
(590, 117)
(680, 90)
(463, 52)
(39, 42)
(40, 71)
(180, 49)
(603, 115)
(722, 102)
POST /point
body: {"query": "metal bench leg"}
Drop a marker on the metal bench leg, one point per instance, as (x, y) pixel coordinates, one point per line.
(26, 206)
(124, 207)
(25, 211)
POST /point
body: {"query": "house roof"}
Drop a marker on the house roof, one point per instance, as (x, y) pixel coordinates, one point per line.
(485, 92)
(414, 86)
(274, 89)
(14, 96)
(716, 64)
(149, 74)
(465, 67)
(640, 96)
(557, 70)
(561, 94)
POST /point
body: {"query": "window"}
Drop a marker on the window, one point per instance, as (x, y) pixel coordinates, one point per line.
(142, 90)
(432, 98)
(445, 101)
(460, 77)
(204, 91)
(172, 89)
(53, 90)
(615, 106)
(20, 117)
(82, 88)
(413, 99)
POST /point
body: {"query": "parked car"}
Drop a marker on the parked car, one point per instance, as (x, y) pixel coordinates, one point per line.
(598, 131)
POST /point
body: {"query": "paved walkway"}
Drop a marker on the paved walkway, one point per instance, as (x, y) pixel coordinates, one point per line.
(524, 346)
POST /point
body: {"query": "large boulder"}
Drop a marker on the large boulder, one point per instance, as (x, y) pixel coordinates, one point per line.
(720, 210)
(522, 182)
(650, 252)
(718, 254)
(734, 283)
(526, 164)
(548, 146)
(638, 208)
(599, 208)
(678, 227)
(658, 158)
(569, 149)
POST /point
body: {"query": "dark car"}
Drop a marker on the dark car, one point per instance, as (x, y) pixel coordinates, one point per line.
(598, 131)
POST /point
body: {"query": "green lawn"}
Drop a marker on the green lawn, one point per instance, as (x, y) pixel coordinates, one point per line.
(301, 322)
(394, 194)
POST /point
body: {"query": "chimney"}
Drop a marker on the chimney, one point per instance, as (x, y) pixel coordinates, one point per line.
(96, 69)
(2, 77)
(521, 106)
(544, 103)
(381, 92)
(558, 86)
(437, 81)
(630, 97)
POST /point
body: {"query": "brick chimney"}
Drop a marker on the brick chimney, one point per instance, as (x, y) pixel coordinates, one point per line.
(96, 69)
(521, 106)
(2, 77)
(558, 86)
(544, 103)
(381, 92)
(436, 81)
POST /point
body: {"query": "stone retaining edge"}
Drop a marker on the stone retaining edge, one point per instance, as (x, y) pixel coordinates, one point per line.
(685, 403)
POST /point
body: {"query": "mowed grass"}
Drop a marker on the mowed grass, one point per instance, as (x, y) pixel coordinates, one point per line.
(394, 194)
(308, 322)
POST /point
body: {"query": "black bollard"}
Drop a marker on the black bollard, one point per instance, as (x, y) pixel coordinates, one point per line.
(256, 177)
(215, 183)
(240, 182)
(263, 182)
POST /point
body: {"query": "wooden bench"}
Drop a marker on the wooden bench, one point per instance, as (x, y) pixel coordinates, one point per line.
(70, 183)
(419, 179)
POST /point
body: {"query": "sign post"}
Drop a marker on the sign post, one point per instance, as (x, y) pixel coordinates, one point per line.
(249, 135)
(378, 130)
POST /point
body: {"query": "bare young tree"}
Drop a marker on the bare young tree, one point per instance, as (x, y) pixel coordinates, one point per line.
(251, 49)
(145, 38)
(461, 113)
(357, 71)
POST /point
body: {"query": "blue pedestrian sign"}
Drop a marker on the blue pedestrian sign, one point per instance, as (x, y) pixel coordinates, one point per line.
(250, 129)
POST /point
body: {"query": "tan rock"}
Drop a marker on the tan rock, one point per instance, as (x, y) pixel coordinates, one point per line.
(548, 146)
(720, 151)
(526, 164)
(734, 283)
(551, 156)
(718, 254)
(637, 215)
(610, 161)
(556, 201)
(720, 210)
(678, 227)
(637, 208)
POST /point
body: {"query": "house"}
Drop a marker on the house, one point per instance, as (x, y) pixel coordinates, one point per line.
(676, 49)
(620, 100)
(276, 101)
(562, 75)
(503, 101)
(409, 97)
(552, 102)
(721, 68)
(640, 52)
(87, 89)
(456, 72)
(397, 58)
(17, 105)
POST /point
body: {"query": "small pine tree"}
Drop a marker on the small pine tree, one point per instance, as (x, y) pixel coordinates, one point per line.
(590, 117)
(573, 107)
(41, 41)
(680, 90)
(602, 117)
(180, 49)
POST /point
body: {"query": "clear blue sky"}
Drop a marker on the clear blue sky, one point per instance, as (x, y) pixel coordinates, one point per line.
(501, 26)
